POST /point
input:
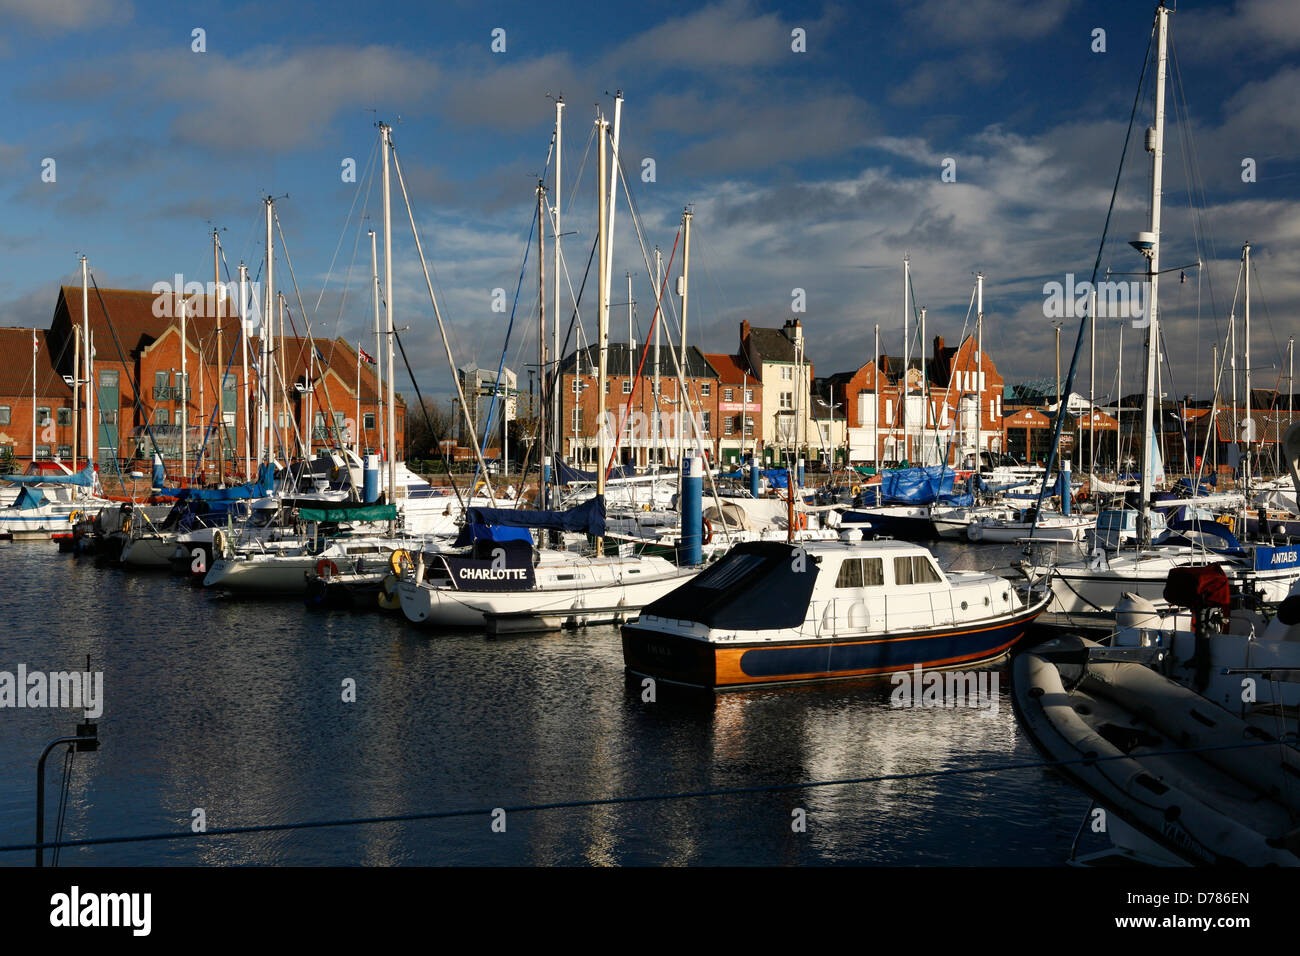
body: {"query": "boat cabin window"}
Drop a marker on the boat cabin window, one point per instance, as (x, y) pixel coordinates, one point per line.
(728, 571)
(916, 569)
(860, 573)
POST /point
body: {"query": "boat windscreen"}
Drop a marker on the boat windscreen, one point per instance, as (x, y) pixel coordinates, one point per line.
(755, 586)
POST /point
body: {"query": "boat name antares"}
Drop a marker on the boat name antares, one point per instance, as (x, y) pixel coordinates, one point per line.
(74, 690)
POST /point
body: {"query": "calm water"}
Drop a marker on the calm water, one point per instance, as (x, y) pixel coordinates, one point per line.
(235, 707)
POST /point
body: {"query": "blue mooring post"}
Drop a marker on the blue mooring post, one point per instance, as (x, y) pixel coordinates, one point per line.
(753, 476)
(691, 551)
(546, 482)
(1063, 487)
(370, 480)
(801, 484)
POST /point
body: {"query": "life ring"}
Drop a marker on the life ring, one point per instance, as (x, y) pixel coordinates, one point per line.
(857, 490)
(325, 564)
(389, 599)
(399, 561)
(708, 531)
(72, 518)
(800, 521)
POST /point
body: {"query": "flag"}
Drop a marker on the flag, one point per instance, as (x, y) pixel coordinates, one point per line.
(364, 357)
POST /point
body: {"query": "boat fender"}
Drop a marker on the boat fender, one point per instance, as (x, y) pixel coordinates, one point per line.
(800, 520)
(708, 531)
(388, 597)
(325, 568)
(974, 532)
(218, 544)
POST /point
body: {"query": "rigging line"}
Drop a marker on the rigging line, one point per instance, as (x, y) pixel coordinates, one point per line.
(1059, 418)
(311, 344)
(533, 224)
(1036, 765)
(437, 314)
(438, 436)
(369, 178)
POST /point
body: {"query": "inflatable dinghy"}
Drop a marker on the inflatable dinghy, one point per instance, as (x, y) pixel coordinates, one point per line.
(1230, 805)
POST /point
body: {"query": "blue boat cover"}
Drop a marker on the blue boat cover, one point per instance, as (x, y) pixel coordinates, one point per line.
(28, 499)
(588, 516)
(916, 486)
(566, 474)
(85, 478)
(264, 485)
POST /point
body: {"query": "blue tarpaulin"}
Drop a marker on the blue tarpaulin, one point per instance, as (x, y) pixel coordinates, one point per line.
(28, 499)
(264, 485)
(588, 516)
(567, 474)
(85, 478)
(916, 486)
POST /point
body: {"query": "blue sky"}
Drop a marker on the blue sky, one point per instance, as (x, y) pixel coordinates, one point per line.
(816, 170)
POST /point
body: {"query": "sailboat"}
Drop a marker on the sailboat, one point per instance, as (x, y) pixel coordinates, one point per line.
(1086, 591)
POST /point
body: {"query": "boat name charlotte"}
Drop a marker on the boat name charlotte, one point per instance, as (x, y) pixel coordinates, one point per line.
(78, 690)
(493, 574)
(927, 689)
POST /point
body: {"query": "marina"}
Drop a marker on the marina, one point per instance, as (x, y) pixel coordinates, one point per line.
(678, 441)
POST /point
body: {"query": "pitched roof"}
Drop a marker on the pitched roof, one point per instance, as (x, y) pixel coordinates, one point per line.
(772, 345)
(16, 369)
(730, 368)
(616, 359)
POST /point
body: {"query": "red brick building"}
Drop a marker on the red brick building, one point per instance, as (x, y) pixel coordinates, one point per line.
(147, 398)
(740, 407)
(638, 444)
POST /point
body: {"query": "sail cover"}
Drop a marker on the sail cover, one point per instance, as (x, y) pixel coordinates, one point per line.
(264, 485)
(588, 516)
(567, 474)
(85, 478)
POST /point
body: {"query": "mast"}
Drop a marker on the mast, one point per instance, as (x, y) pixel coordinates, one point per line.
(1156, 144)
(979, 366)
(34, 350)
(185, 390)
(243, 345)
(1092, 387)
(875, 423)
(283, 352)
(90, 365)
(76, 393)
(380, 423)
(1119, 401)
(221, 366)
(907, 345)
(555, 332)
(612, 205)
(385, 135)
(1249, 423)
(602, 313)
(268, 334)
(658, 320)
(541, 332)
(925, 396)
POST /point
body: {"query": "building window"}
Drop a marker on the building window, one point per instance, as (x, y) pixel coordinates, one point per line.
(706, 423)
(787, 373)
(4, 414)
(627, 386)
(706, 388)
(65, 416)
(368, 421)
(42, 451)
(108, 379)
(160, 380)
(65, 451)
(606, 386)
(728, 426)
(728, 394)
(577, 421)
(161, 417)
(787, 399)
(575, 385)
(42, 415)
(749, 422)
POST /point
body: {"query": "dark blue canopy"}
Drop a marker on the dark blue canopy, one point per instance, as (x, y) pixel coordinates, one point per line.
(567, 474)
(588, 516)
(264, 485)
